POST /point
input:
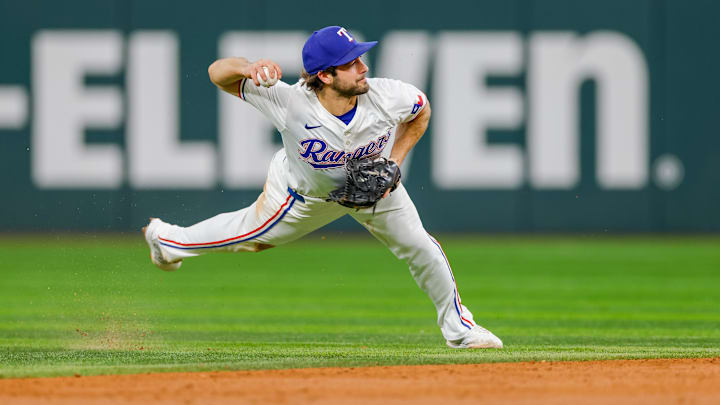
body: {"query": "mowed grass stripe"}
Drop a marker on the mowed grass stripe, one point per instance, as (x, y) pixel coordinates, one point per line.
(91, 305)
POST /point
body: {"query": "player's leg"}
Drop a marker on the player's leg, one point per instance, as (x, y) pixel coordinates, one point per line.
(278, 216)
(397, 224)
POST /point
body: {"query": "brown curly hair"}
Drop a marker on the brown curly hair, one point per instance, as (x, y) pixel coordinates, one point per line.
(313, 82)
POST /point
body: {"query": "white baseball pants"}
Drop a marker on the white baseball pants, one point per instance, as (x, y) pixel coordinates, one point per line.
(280, 215)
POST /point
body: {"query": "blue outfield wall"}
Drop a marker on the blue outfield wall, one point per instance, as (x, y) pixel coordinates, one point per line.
(548, 115)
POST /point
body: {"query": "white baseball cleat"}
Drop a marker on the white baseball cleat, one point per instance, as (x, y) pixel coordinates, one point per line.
(156, 254)
(477, 338)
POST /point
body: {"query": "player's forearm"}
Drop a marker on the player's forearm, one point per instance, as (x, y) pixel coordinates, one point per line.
(408, 134)
(224, 72)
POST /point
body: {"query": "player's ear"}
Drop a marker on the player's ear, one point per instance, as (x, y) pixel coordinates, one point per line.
(325, 77)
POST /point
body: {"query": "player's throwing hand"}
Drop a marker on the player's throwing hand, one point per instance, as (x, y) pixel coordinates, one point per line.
(264, 72)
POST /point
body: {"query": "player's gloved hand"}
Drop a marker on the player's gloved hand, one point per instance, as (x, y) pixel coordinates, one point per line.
(367, 182)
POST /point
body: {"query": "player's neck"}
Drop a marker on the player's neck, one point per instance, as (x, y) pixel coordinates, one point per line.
(335, 103)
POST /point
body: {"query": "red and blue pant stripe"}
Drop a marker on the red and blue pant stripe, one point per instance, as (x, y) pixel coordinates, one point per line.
(262, 229)
(456, 301)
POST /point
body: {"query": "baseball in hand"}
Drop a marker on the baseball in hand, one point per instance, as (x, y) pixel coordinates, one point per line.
(271, 79)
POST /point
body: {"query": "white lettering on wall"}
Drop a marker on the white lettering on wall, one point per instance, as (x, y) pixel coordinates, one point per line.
(245, 134)
(465, 108)
(405, 55)
(559, 63)
(13, 107)
(64, 107)
(157, 158)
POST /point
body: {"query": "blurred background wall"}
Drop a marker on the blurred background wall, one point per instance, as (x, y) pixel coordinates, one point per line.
(548, 115)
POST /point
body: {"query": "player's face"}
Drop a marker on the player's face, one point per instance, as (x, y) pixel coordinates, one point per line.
(350, 79)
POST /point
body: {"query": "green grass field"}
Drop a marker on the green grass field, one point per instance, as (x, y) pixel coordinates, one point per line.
(95, 305)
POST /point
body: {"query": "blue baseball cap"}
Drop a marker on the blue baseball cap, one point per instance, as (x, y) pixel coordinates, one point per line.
(331, 46)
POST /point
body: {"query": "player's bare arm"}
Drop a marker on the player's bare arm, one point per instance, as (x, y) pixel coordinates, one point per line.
(227, 72)
(408, 134)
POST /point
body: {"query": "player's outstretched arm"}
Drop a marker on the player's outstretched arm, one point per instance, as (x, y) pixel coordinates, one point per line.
(408, 134)
(227, 72)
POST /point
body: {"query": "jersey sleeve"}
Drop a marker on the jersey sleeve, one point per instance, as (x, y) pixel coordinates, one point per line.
(404, 101)
(271, 101)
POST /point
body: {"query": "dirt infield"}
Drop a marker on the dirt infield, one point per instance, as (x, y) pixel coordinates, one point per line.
(683, 381)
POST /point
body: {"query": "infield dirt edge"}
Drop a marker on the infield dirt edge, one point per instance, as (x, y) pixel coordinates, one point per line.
(660, 381)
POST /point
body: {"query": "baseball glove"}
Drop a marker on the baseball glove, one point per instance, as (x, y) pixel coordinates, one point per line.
(367, 181)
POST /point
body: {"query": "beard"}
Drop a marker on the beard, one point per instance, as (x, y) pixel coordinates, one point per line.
(350, 89)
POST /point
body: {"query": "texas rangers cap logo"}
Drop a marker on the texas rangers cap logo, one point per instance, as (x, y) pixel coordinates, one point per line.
(331, 46)
(342, 31)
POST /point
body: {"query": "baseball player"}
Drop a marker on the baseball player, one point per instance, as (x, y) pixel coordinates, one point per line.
(333, 114)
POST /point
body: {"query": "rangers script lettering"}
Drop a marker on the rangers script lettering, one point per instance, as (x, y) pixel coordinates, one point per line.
(316, 153)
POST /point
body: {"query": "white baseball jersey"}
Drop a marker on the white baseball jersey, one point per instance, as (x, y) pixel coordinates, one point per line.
(317, 143)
